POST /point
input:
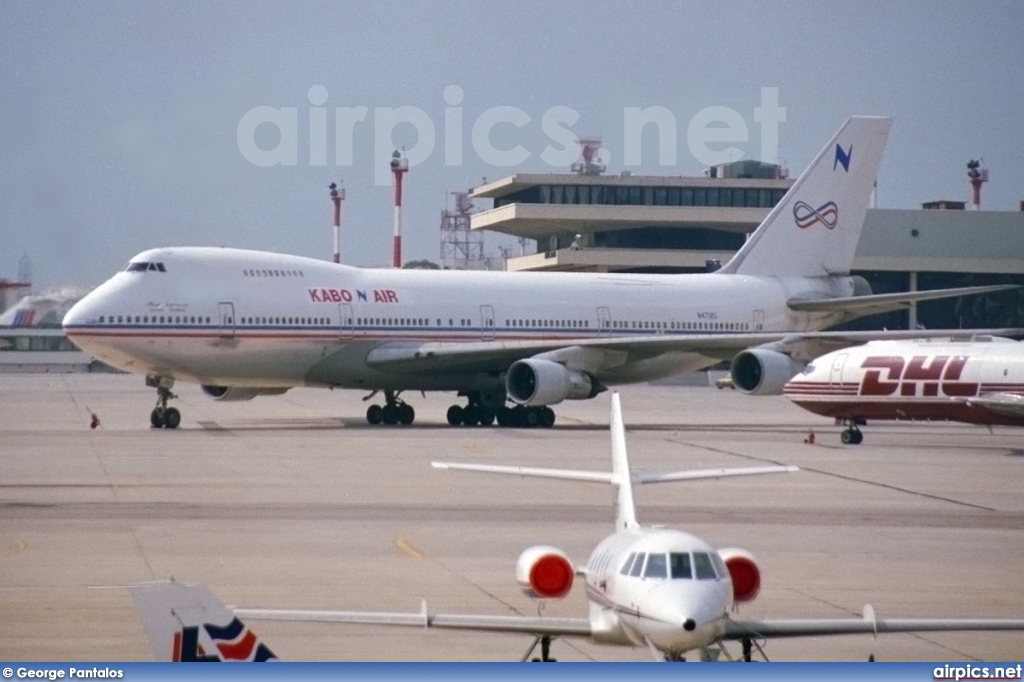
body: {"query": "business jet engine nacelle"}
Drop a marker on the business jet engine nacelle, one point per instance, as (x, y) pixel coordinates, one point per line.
(760, 371)
(543, 382)
(231, 393)
(746, 576)
(544, 572)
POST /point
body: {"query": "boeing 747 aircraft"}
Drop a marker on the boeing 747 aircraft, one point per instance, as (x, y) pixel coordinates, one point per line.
(247, 323)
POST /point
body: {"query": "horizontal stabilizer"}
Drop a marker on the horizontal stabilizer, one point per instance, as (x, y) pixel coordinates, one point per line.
(882, 303)
(601, 477)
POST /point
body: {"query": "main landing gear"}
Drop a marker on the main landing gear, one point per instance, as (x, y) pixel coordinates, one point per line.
(162, 416)
(545, 651)
(485, 410)
(395, 411)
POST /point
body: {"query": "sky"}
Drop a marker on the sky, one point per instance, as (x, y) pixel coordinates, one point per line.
(127, 125)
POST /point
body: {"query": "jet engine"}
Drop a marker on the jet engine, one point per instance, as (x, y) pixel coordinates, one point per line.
(232, 393)
(543, 382)
(763, 372)
(544, 572)
(746, 576)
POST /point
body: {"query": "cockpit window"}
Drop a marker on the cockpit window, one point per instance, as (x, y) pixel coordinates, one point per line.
(705, 569)
(656, 567)
(143, 267)
(638, 565)
(809, 369)
(679, 563)
(628, 564)
(719, 565)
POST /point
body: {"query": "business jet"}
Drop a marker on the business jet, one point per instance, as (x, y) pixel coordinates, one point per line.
(247, 323)
(662, 589)
(978, 380)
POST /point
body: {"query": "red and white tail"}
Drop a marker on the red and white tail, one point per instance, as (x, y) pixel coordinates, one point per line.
(185, 622)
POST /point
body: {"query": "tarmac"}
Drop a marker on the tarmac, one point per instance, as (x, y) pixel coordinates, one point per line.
(295, 502)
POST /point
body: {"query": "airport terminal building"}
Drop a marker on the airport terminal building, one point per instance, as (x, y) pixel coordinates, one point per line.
(590, 222)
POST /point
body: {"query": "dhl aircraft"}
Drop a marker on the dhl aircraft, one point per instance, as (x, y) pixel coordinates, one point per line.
(978, 381)
(247, 323)
(663, 589)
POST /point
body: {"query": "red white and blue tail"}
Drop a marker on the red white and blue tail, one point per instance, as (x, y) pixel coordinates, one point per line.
(185, 622)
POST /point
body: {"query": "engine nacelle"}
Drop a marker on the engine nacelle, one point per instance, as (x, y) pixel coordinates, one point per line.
(746, 576)
(544, 572)
(232, 393)
(763, 372)
(543, 382)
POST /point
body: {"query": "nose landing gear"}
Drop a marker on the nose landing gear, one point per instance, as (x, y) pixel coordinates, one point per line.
(162, 416)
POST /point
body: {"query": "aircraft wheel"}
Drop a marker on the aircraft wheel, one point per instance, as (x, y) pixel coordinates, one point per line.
(406, 414)
(455, 415)
(471, 415)
(858, 437)
(532, 417)
(547, 417)
(487, 417)
(172, 418)
(374, 414)
(156, 418)
(847, 437)
(389, 413)
(503, 416)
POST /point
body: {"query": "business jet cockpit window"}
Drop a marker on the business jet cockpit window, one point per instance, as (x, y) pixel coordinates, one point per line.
(145, 267)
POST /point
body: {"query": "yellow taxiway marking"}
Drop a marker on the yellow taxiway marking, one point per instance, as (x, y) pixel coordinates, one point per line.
(409, 550)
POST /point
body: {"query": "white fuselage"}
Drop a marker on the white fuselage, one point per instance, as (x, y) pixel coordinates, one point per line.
(913, 380)
(653, 603)
(247, 318)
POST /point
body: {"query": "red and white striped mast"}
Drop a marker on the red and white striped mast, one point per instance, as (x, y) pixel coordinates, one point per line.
(337, 198)
(399, 167)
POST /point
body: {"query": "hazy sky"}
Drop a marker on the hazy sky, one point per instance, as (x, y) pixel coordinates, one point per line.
(119, 121)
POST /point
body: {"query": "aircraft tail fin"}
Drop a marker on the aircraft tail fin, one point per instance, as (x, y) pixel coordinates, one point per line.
(813, 231)
(185, 622)
(622, 478)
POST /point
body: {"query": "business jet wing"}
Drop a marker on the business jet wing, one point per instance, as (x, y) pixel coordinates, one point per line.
(868, 623)
(529, 625)
(594, 354)
(883, 303)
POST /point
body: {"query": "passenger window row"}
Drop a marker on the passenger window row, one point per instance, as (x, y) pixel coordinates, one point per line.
(682, 326)
(273, 273)
(154, 319)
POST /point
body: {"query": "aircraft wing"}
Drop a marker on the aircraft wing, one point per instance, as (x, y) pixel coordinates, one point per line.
(599, 353)
(530, 625)
(883, 303)
(605, 477)
(866, 624)
(1008, 404)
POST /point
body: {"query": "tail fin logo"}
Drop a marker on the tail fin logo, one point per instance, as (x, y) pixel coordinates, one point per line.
(234, 642)
(842, 158)
(805, 215)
